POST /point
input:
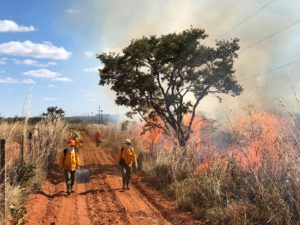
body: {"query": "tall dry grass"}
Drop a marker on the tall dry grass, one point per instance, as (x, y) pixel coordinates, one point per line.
(256, 181)
(39, 156)
(112, 135)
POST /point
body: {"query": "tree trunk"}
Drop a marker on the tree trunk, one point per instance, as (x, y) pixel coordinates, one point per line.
(181, 140)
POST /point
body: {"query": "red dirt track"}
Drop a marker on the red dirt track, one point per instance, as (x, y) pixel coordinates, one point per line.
(101, 201)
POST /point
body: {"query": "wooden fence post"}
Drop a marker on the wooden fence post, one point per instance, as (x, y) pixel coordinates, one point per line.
(3, 177)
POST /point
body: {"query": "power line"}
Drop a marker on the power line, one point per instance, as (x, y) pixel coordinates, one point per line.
(273, 69)
(248, 17)
(270, 36)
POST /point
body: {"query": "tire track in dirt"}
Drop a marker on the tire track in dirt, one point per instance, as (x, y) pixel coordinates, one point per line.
(82, 214)
(104, 205)
(60, 208)
(99, 202)
(138, 209)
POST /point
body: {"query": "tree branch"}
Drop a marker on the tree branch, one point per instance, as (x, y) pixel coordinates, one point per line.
(194, 112)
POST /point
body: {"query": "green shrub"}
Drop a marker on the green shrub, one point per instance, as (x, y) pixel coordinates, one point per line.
(22, 173)
(17, 213)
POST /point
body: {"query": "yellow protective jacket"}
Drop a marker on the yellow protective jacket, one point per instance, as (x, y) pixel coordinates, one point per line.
(70, 162)
(128, 155)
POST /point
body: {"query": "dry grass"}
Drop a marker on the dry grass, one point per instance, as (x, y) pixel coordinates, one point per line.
(39, 156)
(255, 182)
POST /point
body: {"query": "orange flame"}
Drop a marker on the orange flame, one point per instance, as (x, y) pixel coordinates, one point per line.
(260, 132)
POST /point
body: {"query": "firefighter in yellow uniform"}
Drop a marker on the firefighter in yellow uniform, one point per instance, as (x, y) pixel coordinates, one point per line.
(69, 161)
(76, 136)
(98, 138)
(127, 158)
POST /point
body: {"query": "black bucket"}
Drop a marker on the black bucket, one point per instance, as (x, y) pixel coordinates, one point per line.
(82, 175)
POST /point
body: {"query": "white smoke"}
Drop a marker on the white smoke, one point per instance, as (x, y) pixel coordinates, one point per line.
(112, 24)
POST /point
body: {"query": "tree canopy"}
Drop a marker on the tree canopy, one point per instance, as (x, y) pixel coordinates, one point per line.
(54, 113)
(155, 77)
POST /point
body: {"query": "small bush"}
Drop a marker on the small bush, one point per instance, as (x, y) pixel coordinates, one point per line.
(160, 176)
(22, 173)
(17, 212)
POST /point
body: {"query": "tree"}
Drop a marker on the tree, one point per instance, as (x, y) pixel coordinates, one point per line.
(154, 76)
(54, 113)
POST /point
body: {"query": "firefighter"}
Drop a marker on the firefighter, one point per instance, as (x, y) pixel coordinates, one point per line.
(98, 138)
(69, 161)
(127, 158)
(75, 135)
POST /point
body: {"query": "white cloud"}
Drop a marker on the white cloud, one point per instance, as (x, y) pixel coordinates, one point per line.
(52, 86)
(42, 73)
(92, 69)
(30, 62)
(28, 81)
(51, 98)
(63, 79)
(28, 48)
(88, 54)
(12, 26)
(51, 63)
(9, 80)
(48, 74)
(73, 11)
(3, 60)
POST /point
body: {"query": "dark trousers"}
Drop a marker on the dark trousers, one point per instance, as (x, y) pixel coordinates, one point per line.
(126, 173)
(70, 178)
(97, 143)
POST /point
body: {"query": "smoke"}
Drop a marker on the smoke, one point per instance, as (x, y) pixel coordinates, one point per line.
(112, 24)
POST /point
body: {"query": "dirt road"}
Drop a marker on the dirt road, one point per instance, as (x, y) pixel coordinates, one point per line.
(99, 202)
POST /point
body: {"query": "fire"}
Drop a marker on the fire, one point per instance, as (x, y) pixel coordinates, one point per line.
(256, 144)
(157, 137)
(201, 129)
(257, 136)
(151, 138)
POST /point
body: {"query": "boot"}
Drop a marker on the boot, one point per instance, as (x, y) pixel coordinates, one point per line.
(69, 189)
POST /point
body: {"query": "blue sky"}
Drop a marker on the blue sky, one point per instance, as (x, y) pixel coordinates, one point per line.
(55, 76)
(47, 48)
